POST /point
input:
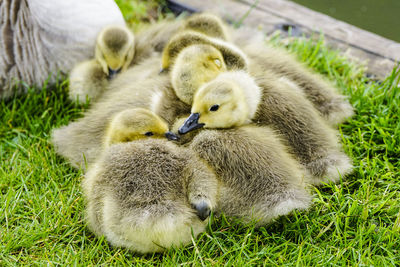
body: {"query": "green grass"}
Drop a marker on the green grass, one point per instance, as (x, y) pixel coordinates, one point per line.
(355, 222)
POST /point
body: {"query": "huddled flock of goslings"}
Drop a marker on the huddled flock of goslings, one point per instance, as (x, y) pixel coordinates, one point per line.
(190, 117)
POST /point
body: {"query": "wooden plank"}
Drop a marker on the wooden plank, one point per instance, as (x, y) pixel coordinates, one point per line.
(380, 54)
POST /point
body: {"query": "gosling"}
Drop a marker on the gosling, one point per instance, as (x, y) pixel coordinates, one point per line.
(147, 195)
(114, 52)
(234, 99)
(199, 62)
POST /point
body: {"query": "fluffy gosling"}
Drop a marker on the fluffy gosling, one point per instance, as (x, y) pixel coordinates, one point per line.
(234, 99)
(150, 194)
(114, 52)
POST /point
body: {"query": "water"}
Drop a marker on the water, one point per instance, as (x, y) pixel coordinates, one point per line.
(379, 16)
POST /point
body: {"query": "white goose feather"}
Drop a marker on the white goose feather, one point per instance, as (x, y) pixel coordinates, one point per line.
(39, 38)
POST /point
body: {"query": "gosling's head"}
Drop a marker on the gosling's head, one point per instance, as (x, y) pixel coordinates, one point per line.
(229, 100)
(219, 104)
(195, 66)
(134, 124)
(115, 49)
(208, 24)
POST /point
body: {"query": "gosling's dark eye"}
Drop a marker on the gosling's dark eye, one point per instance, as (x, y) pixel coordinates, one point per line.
(214, 108)
(149, 134)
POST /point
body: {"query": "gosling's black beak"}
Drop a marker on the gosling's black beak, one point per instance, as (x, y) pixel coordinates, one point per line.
(112, 72)
(190, 124)
(171, 136)
(163, 70)
(202, 210)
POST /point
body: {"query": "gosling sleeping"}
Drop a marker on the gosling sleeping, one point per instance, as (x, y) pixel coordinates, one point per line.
(149, 194)
(113, 54)
(197, 61)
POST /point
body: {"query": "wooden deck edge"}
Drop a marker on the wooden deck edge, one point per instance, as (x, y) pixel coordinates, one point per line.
(334, 28)
(379, 54)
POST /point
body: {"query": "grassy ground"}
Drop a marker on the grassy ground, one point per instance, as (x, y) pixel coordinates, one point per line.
(356, 221)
